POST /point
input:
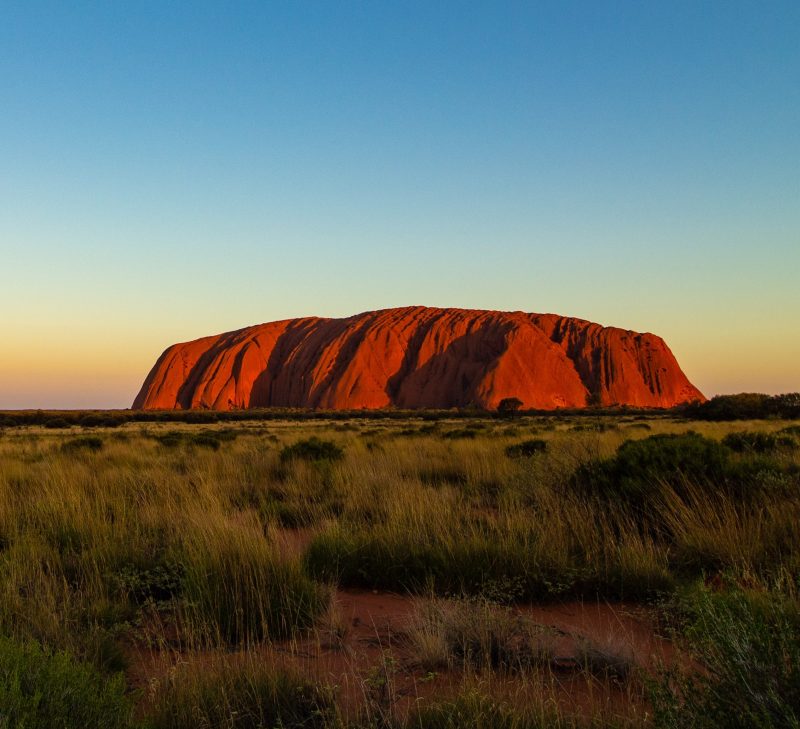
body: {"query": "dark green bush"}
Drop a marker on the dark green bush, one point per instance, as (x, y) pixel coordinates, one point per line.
(527, 448)
(42, 689)
(640, 467)
(157, 582)
(85, 443)
(312, 449)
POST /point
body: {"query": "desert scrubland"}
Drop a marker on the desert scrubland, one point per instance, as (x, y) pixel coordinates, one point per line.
(526, 571)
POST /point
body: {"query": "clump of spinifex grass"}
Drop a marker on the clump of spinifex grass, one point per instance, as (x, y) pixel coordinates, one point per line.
(239, 589)
(504, 558)
(242, 692)
(477, 635)
(475, 709)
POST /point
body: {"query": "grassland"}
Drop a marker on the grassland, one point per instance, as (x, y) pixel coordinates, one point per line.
(163, 574)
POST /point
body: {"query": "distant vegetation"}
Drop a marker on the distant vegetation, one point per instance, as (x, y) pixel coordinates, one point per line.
(745, 406)
(312, 449)
(166, 574)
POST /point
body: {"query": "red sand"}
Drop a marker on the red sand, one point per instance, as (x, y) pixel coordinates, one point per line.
(370, 629)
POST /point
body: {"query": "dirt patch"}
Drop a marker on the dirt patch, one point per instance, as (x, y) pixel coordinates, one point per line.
(362, 647)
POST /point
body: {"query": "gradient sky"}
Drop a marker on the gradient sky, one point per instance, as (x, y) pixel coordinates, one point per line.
(170, 170)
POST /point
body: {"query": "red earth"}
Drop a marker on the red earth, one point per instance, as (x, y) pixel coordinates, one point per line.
(419, 357)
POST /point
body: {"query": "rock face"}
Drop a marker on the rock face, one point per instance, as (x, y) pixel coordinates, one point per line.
(419, 357)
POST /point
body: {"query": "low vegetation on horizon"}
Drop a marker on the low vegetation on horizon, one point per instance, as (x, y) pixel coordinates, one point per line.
(257, 570)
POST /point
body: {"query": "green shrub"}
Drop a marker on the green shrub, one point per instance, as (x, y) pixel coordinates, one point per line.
(527, 448)
(85, 443)
(42, 689)
(313, 449)
(749, 650)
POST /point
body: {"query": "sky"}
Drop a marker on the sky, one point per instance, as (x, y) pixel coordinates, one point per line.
(170, 170)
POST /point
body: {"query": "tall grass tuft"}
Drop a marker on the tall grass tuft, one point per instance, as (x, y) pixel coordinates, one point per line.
(238, 589)
(229, 693)
(478, 711)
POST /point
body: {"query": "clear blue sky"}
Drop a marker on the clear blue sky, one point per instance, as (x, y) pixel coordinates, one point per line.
(170, 170)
